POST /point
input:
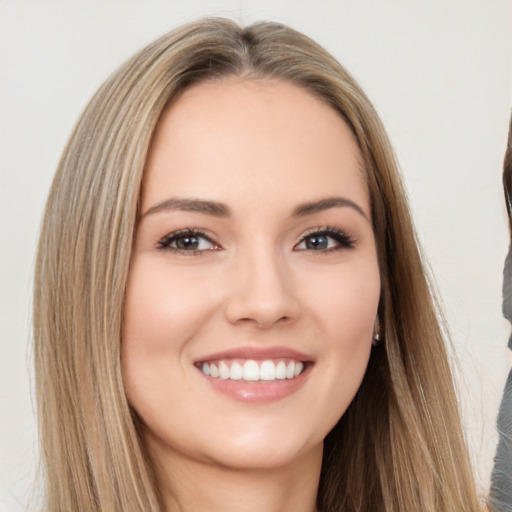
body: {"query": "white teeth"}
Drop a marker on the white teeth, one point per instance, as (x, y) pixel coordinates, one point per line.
(223, 370)
(281, 370)
(236, 371)
(268, 370)
(290, 369)
(214, 371)
(253, 370)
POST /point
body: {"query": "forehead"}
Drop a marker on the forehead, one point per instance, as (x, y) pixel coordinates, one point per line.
(260, 138)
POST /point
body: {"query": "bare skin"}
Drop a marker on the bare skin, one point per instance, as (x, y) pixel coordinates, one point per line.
(255, 249)
(287, 489)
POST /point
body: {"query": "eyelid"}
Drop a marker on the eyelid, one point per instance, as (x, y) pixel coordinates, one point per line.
(343, 239)
(164, 244)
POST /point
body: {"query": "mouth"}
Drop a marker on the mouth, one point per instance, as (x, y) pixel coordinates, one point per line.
(256, 374)
(253, 370)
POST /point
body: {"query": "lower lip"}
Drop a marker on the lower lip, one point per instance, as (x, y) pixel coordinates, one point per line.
(259, 391)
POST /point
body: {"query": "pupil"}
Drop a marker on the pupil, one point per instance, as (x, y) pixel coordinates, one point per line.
(316, 242)
(187, 242)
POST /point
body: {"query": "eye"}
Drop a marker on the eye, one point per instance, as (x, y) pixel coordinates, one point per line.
(324, 240)
(189, 241)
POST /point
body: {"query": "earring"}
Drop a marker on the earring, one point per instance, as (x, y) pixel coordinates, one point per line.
(376, 333)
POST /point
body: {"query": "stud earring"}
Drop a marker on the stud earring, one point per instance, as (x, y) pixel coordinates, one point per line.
(376, 333)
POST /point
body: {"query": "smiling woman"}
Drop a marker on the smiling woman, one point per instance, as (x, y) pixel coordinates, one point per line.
(272, 303)
(230, 307)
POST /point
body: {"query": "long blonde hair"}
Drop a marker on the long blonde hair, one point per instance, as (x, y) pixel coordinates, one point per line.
(399, 446)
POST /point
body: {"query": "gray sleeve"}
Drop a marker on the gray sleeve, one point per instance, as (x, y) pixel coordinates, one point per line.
(500, 497)
(507, 291)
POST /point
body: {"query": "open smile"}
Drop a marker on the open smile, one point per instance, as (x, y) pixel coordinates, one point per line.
(252, 370)
(256, 374)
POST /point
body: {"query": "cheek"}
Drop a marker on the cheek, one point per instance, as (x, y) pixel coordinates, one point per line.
(345, 301)
(163, 312)
(163, 308)
(344, 305)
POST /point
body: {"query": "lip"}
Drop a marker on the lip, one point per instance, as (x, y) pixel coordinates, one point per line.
(257, 353)
(258, 392)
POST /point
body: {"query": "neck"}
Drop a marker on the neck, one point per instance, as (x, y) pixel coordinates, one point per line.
(188, 485)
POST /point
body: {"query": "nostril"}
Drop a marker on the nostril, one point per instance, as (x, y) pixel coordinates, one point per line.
(262, 306)
(264, 323)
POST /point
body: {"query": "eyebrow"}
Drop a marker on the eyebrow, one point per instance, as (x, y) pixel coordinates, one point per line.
(325, 204)
(217, 209)
(191, 205)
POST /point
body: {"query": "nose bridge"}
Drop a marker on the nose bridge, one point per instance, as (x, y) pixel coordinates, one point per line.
(262, 291)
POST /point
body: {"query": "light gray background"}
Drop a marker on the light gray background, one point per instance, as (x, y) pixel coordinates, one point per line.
(439, 73)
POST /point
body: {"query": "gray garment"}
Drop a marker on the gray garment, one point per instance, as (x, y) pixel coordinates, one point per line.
(507, 291)
(500, 499)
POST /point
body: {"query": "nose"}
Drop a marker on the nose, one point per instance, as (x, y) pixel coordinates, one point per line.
(262, 292)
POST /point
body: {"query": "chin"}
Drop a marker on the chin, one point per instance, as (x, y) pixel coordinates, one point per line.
(265, 452)
(269, 459)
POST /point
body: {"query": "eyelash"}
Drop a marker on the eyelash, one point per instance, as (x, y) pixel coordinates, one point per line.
(343, 240)
(165, 243)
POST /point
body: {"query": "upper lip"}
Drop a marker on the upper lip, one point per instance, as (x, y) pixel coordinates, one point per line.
(257, 353)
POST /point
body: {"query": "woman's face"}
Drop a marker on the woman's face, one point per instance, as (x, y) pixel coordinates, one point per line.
(254, 283)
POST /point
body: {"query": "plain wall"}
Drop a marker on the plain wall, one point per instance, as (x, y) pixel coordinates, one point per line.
(439, 73)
